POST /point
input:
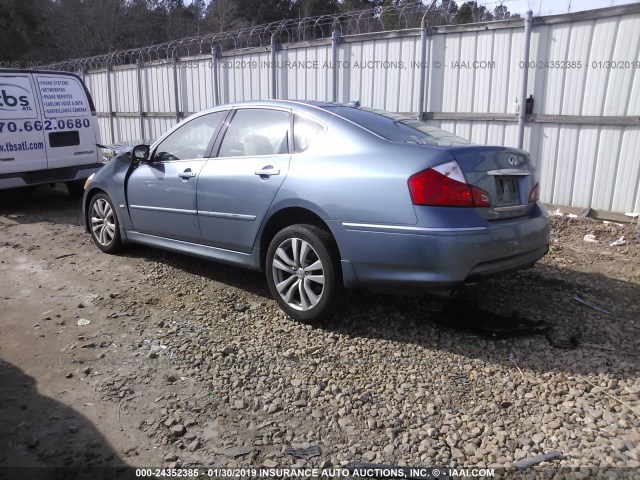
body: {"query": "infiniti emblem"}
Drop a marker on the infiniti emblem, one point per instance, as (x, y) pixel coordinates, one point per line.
(513, 161)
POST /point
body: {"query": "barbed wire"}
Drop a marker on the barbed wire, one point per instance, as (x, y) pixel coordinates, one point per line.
(388, 18)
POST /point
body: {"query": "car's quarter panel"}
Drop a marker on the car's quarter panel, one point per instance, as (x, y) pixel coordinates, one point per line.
(353, 175)
(162, 202)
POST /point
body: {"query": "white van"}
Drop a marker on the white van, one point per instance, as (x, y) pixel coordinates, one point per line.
(48, 130)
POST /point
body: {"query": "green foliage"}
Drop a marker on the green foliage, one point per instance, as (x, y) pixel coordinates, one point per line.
(50, 30)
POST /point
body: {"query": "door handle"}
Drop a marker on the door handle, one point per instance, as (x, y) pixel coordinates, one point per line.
(267, 172)
(187, 174)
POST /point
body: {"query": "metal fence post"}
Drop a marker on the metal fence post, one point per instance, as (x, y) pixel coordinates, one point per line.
(522, 114)
(422, 81)
(335, 41)
(140, 99)
(214, 72)
(176, 91)
(110, 102)
(274, 48)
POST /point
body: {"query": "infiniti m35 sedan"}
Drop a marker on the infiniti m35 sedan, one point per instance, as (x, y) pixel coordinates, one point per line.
(323, 197)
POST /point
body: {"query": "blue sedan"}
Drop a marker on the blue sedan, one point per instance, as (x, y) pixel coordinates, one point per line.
(323, 197)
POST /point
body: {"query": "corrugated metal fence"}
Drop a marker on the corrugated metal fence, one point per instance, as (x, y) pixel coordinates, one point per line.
(583, 72)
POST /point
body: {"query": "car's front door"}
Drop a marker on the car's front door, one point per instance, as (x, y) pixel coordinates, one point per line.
(161, 192)
(236, 189)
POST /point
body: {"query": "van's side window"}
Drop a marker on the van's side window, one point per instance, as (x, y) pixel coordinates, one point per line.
(191, 140)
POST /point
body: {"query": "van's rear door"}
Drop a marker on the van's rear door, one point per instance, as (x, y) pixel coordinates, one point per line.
(71, 140)
(22, 147)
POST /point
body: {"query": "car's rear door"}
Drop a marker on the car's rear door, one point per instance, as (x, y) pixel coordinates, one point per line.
(161, 193)
(237, 187)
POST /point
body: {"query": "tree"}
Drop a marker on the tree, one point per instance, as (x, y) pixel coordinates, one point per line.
(256, 12)
(313, 8)
(51, 30)
(443, 13)
(222, 16)
(501, 12)
(22, 33)
(351, 5)
(471, 12)
(143, 24)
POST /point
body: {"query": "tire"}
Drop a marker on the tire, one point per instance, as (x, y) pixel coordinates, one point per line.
(75, 189)
(303, 272)
(103, 224)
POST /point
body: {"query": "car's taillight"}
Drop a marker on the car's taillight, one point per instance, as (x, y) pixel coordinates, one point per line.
(444, 185)
(534, 195)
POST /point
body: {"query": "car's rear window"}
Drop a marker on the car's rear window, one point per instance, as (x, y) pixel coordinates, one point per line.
(398, 128)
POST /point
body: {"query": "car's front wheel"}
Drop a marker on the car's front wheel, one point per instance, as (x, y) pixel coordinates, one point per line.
(103, 222)
(303, 272)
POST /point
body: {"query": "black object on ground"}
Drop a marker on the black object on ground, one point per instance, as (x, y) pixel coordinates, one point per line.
(467, 316)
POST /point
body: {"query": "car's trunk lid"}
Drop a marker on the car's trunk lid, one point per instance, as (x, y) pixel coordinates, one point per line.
(507, 174)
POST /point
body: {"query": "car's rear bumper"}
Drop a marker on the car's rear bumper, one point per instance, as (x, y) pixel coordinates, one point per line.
(396, 258)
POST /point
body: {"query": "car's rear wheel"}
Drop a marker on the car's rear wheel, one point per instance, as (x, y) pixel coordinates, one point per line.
(303, 272)
(103, 223)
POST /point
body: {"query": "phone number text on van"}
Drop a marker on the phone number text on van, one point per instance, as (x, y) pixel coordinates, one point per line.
(46, 125)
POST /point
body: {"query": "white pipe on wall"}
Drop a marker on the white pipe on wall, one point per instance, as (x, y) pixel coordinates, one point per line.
(522, 114)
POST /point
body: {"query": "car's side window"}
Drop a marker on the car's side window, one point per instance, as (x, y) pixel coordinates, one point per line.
(304, 132)
(256, 131)
(190, 140)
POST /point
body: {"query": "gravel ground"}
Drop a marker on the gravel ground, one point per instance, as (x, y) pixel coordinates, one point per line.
(187, 362)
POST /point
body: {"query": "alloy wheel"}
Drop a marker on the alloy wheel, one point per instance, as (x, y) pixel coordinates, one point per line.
(298, 274)
(103, 222)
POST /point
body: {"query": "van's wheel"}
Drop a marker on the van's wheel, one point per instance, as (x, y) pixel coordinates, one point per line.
(103, 223)
(76, 189)
(303, 272)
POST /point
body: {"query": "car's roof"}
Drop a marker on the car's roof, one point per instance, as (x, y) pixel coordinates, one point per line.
(375, 122)
(303, 104)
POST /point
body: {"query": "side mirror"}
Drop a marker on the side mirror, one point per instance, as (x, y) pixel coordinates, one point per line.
(141, 152)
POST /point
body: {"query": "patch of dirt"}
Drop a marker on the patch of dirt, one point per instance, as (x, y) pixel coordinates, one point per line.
(186, 362)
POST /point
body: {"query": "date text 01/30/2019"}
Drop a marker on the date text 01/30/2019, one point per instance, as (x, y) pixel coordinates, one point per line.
(363, 472)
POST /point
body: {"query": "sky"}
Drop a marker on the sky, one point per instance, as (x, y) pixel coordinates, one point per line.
(553, 7)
